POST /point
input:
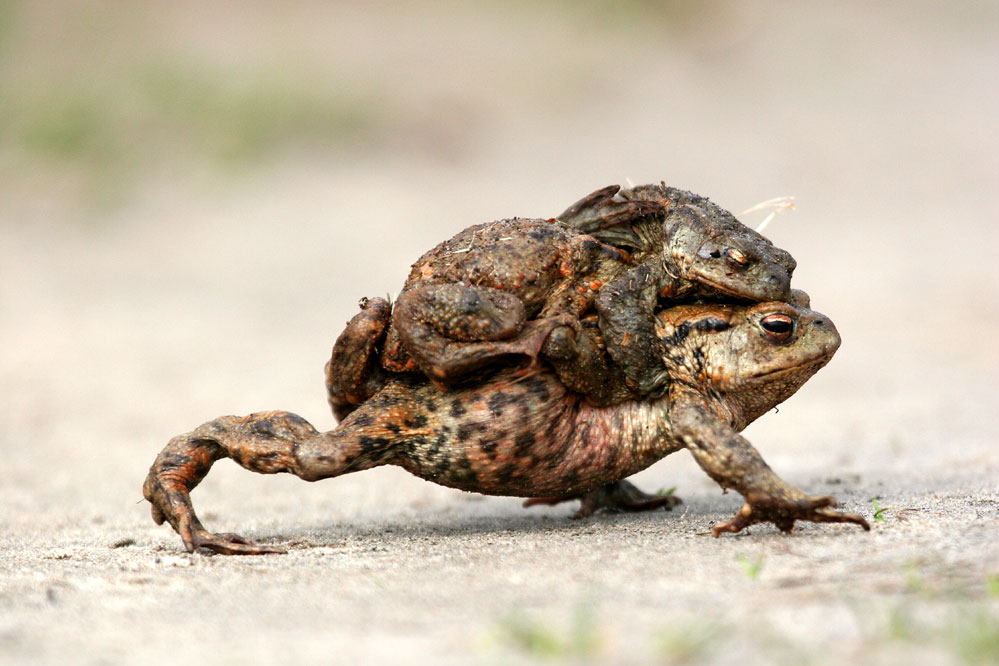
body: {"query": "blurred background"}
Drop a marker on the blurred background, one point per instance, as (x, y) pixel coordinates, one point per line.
(194, 196)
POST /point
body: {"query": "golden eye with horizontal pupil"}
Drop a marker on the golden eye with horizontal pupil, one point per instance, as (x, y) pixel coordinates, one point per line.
(778, 326)
(736, 256)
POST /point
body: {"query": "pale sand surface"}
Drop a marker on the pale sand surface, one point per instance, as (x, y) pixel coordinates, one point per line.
(200, 296)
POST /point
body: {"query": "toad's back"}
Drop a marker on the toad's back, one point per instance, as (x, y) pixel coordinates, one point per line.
(520, 256)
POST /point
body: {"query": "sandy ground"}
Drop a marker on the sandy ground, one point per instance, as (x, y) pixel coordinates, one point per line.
(199, 297)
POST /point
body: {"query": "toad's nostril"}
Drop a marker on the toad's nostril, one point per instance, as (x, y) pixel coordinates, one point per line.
(820, 322)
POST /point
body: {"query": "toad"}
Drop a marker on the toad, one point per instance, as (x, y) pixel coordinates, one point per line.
(531, 437)
(500, 289)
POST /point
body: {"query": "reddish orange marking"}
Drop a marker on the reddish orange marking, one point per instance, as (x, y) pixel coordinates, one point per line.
(624, 342)
(595, 285)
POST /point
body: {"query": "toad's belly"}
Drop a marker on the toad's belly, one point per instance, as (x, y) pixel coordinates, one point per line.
(531, 437)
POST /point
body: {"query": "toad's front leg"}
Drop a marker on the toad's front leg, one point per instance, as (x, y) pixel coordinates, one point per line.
(267, 442)
(731, 460)
(626, 308)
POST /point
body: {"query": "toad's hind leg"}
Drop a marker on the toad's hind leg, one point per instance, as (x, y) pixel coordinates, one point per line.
(450, 330)
(613, 498)
(267, 442)
(353, 373)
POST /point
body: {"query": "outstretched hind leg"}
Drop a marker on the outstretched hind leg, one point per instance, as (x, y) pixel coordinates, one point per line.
(266, 442)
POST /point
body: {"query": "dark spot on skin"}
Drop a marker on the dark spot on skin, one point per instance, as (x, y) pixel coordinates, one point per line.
(414, 444)
(681, 333)
(699, 358)
(202, 443)
(542, 233)
(437, 474)
(537, 388)
(171, 461)
(264, 429)
(488, 448)
(296, 419)
(363, 420)
(268, 457)
(498, 401)
(457, 408)
(711, 324)
(505, 474)
(415, 422)
(369, 444)
(439, 441)
(466, 431)
(393, 427)
(524, 442)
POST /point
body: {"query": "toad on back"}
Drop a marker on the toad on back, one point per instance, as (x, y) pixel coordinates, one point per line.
(532, 437)
(500, 289)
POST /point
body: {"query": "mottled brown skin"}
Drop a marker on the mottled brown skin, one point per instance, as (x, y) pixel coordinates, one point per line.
(532, 437)
(698, 251)
(465, 303)
(681, 247)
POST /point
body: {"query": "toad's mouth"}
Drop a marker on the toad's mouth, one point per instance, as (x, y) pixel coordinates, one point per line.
(807, 364)
(733, 292)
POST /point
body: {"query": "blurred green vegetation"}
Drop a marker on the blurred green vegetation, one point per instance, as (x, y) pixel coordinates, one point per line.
(97, 96)
(169, 107)
(159, 110)
(89, 99)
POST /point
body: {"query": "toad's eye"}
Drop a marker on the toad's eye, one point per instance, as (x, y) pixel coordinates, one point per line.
(779, 326)
(736, 257)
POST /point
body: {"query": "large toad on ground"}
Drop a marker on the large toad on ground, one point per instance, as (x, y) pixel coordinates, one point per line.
(532, 437)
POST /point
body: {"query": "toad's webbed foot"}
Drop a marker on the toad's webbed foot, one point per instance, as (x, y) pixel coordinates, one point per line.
(614, 497)
(783, 512)
(170, 498)
(731, 460)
